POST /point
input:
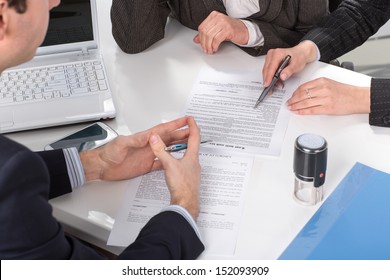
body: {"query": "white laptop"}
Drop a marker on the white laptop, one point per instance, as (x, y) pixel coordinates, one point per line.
(66, 82)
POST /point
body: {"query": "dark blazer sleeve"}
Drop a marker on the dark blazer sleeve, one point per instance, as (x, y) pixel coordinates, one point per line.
(138, 24)
(380, 102)
(349, 26)
(167, 235)
(284, 23)
(275, 36)
(59, 177)
(28, 229)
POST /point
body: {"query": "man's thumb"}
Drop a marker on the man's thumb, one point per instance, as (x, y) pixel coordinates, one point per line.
(158, 148)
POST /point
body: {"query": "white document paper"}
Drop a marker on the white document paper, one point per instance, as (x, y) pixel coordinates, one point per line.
(224, 179)
(222, 105)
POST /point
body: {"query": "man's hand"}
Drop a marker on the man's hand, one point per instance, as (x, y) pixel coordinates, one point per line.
(130, 156)
(217, 28)
(301, 54)
(182, 175)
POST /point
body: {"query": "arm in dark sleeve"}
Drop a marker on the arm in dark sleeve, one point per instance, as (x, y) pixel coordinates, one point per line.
(380, 102)
(138, 24)
(349, 26)
(274, 37)
(286, 22)
(167, 235)
(59, 178)
(28, 229)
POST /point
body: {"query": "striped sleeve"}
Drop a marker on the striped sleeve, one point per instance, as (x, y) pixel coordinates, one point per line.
(75, 168)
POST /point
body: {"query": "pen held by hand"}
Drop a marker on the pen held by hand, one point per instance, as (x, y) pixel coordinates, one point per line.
(266, 90)
(181, 146)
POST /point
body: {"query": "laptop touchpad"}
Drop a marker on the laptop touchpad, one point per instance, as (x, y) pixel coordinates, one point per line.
(55, 112)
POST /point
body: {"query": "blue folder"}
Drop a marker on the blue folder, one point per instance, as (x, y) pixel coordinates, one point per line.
(353, 223)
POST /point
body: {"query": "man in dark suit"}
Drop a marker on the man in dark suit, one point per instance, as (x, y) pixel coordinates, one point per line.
(353, 22)
(28, 179)
(254, 25)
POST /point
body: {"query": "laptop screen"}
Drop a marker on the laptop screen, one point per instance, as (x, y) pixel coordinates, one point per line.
(70, 22)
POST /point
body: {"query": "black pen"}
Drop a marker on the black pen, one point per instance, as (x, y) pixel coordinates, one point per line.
(181, 146)
(284, 63)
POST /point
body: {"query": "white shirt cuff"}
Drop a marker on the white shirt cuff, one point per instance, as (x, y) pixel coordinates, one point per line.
(182, 211)
(318, 53)
(256, 38)
(74, 167)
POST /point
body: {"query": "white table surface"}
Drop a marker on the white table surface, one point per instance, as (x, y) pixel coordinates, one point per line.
(153, 86)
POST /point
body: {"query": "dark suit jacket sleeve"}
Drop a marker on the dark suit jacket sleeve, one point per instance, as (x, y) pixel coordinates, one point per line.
(28, 229)
(167, 235)
(275, 36)
(284, 23)
(59, 178)
(353, 22)
(380, 102)
(138, 24)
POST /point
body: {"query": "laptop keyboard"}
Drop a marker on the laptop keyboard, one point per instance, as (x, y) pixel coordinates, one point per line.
(57, 81)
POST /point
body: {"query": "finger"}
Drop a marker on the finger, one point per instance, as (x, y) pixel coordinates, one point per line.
(294, 66)
(194, 138)
(157, 165)
(279, 84)
(297, 96)
(287, 72)
(316, 110)
(168, 127)
(307, 103)
(169, 131)
(176, 135)
(304, 91)
(209, 31)
(207, 39)
(217, 41)
(179, 136)
(201, 42)
(137, 140)
(272, 61)
(158, 148)
(203, 29)
(196, 39)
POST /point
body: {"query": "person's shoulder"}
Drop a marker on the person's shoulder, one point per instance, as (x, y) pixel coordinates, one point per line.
(18, 156)
(9, 147)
